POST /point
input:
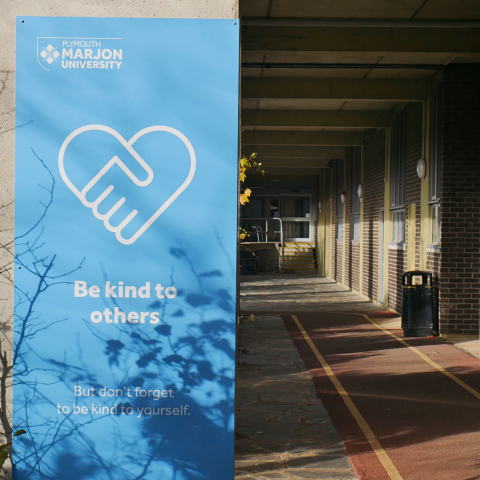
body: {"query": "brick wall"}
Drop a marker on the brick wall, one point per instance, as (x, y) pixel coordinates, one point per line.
(397, 259)
(347, 221)
(413, 184)
(355, 262)
(373, 200)
(459, 270)
(268, 259)
(337, 246)
(433, 266)
(352, 249)
(339, 262)
(333, 232)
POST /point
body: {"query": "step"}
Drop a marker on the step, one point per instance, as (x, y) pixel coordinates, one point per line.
(305, 264)
(303, 250)
(302, 269)
(310, 262)
(295, 265)
(299, 257)
(298, 245)
(312, 244)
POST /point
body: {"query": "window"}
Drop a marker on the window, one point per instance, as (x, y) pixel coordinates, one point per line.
(339, 228)
(295, 207)
(356, 180)
(340, 188)
(356, 228)
(397, 175)
(397, 158)
(435, 141)
(398, 226)
(259, 207)
(435, 160)
(295, 212)
(257, 217)
(435, 225)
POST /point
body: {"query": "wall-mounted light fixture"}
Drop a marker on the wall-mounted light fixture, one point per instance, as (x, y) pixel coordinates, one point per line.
(360, 192)
(319, 206)
(344, 194)
(421, 168)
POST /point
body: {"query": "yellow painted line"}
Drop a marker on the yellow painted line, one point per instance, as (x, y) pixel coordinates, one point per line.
(367, 431)
(451, 376)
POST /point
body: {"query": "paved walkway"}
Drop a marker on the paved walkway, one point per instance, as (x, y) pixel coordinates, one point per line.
(283, 430)
(284, 293)
(290, 292)
(413, 408)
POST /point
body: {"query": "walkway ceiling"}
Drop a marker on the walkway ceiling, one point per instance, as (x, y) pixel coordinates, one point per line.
(320, 73)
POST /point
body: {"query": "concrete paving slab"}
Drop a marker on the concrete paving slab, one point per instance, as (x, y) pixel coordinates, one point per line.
(291, 292)
(283, 430)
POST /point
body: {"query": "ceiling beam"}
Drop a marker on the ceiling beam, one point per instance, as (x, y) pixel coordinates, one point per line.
(315, 118)
(292, 172)
(288, 151)
(380, 40)
(401, 90)
(347, 22)
(269, 163)
(266, 137)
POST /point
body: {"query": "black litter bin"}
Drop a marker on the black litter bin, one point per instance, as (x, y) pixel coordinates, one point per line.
(417, 304)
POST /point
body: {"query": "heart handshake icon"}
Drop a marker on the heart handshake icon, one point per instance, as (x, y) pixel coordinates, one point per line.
(81, 194)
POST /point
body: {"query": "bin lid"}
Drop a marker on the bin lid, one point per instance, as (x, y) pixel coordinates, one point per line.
(407, 278)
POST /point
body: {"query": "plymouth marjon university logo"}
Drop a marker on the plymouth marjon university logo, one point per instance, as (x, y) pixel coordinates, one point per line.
(79, 53)
(128, 145)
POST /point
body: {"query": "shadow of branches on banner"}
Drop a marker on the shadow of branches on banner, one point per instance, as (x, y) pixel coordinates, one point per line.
(154, 403)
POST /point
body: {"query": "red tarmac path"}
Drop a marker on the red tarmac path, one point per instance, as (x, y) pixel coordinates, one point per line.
(428, 425)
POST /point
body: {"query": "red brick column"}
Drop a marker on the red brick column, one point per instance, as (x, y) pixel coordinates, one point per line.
(459, 270)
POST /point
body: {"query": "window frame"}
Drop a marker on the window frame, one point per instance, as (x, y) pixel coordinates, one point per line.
(435, 229)
(355, 227)
(435, 155)
(398, 225)
(340, 229)
(340, 184)
(356, 178)
(278, 196)
(398, 150)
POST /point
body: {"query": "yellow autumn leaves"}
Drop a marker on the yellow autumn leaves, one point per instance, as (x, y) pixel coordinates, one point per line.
(244, 165)
(243, 234)
(245, 196)
(247, 164)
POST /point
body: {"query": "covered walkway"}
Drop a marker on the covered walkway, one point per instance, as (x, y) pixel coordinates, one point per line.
(291, 292)
(402, 408)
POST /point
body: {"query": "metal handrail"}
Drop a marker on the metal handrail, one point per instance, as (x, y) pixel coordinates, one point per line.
(259, 231)
(281, 266)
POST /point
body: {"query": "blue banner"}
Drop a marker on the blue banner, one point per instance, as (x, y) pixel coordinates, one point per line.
(125, 249)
